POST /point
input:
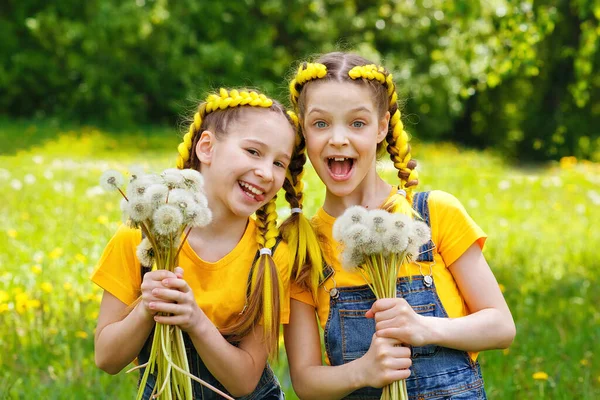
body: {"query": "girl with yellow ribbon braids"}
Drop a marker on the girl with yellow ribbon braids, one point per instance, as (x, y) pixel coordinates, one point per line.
(232, 291)
(449, 306)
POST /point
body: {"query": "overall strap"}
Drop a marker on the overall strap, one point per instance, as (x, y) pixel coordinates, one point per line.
(421, 206)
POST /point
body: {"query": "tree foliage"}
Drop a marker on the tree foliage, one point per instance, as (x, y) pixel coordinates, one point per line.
(520, 76)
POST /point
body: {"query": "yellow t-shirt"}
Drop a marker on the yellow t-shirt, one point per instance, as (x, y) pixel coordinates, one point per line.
(452, 230)
(219, 287)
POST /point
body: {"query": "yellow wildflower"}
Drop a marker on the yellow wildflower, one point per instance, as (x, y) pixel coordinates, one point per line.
(3, 308)
(46, 287)
(3, 296)
(33, 303)
(102, 219)
(36, 269)
(56, 253)
(585, 362)
(17, 290)
(80, 257)
(568, 162)
(502, 287)
(81, 334)
(12, 233)
(540, 376)
(67, 286)
(505, 351)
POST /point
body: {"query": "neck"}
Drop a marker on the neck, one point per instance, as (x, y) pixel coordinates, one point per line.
(224, 224)
(371, 193)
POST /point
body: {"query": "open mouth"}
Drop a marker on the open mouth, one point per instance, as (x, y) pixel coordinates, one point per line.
(252, 191)
(340, 168)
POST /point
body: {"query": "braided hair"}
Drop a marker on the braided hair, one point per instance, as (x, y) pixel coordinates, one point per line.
(264, 299)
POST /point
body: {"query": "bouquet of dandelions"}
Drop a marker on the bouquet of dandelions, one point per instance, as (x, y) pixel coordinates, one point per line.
(164, 207)
(377, 244)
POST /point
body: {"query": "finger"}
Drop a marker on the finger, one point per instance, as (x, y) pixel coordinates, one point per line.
(389, 323)
(397, 334)
(399, 363)
(178, 284)
(370, 314)
(401, 352)
(169, 319)
(159, 275)
(383, 304)
(174, 296)
(179, 272)
(162, 307)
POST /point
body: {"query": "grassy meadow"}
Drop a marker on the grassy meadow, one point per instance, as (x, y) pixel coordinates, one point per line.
(542, 224)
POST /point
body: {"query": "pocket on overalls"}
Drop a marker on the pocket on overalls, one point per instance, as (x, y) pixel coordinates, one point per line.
(357, 332)
(427, 310)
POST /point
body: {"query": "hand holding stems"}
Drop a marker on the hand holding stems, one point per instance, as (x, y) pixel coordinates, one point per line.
(171, 301)
(396, 319)
(385, 362)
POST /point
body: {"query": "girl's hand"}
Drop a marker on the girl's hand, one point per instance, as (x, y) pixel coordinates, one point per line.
(395, 318)
(176, 299)
(385, 362)
(151, 281)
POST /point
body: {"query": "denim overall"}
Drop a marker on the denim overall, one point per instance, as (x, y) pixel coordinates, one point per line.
(268, 386)
(437, 372)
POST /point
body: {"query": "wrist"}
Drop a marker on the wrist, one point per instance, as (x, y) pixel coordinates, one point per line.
(359, 375)
(435, 330)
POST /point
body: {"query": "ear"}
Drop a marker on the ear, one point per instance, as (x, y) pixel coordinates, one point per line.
(384, 124)
(204, 147)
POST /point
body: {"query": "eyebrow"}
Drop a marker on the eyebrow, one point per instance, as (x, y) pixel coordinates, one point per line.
(357, 109)
(263, 144)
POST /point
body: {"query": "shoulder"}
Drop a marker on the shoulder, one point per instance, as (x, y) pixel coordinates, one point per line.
(444, 201)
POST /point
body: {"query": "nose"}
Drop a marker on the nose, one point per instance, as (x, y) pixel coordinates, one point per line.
(265, 171)
(338, 137)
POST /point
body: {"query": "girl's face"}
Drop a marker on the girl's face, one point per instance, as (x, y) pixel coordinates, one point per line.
(245, 168)
(342, 128)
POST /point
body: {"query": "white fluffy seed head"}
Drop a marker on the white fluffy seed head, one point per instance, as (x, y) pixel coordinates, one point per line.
(167, 220)
(181, 198)
(394, 242)
(173, 178)
(124, 205)
(422, 232)
(139, 209)
(138, 186)
(192, 179)
(145, 253)
(156, 194)
(111, 180)
(201, 199)
(196, 215)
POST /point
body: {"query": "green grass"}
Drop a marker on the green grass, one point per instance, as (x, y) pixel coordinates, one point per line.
(542, 223)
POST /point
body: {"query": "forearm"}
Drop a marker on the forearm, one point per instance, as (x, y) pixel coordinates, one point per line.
(232, 366)
(120, 342)
(484, 330)
(327, 382)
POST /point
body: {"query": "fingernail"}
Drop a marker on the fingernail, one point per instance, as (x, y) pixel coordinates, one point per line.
(165, 282)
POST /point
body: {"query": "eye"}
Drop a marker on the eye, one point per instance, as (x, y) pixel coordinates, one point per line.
(320, 124)
(254, 152)
(280, 164)
(358, 124)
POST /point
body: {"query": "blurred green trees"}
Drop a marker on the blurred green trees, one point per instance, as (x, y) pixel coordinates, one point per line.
(520, 76)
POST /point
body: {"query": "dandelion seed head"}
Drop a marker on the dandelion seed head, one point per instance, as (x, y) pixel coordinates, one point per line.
(181, 198)
(340, 226)
(139, 209)
(422, 232)
(145, 253)
(137, 187)
(355, 235)
(173, 178)
(192, 179)
(394, 242)
(124, 205)
(202, 216)
(167, 219)
(352, 259)
(111, 180)
(136, 171)
(201, 199)
(157, 194)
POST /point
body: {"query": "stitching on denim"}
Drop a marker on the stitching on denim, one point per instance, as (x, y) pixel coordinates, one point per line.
(454, 391)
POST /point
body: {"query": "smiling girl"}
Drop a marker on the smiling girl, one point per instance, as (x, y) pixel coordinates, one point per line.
(234, 293)
(449, 305)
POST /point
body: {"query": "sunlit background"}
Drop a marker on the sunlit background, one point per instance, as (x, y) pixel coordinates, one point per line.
(501, 97)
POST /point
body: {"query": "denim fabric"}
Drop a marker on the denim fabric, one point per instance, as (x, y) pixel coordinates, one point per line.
(436, 373)
(268, 387)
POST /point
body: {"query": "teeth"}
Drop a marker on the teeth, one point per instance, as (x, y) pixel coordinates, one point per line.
(339, 158)
(251, 188)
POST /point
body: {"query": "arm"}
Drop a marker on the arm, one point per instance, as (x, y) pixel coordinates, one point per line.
(237, 368)
(489, 326)
(382, 364)
(120, 335)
